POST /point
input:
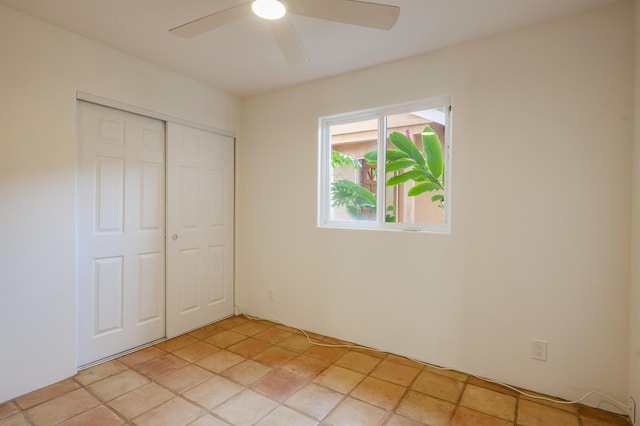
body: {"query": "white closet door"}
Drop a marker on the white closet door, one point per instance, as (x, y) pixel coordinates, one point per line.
(120, 231)
(199, 228)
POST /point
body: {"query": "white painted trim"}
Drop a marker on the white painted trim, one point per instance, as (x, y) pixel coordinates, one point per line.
(99, 100)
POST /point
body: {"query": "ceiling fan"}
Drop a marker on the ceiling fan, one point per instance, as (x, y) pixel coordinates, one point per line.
(353, 12)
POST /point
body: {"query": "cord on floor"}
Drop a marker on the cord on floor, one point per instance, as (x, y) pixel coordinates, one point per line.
(521, 392)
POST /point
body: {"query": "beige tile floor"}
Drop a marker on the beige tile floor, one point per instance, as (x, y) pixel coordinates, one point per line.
(243, 372)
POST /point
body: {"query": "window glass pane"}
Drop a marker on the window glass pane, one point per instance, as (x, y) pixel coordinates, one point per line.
(415, 167)
(414, 141)
(353, 179)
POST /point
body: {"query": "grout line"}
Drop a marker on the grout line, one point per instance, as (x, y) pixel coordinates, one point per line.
(308, 379)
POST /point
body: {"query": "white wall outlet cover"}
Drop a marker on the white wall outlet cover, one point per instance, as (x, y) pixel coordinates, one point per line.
(539, 350)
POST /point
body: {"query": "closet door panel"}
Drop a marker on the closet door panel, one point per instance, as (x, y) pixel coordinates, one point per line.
(120, 231)
(199, 228)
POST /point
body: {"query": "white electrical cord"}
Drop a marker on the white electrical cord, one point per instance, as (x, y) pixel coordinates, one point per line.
(521, 392)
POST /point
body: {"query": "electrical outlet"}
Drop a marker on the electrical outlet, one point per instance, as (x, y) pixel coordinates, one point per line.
(271, 297)
(632, 410)
(539, 350)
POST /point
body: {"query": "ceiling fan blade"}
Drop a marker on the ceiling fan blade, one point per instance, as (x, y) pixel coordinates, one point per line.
(354, 12)
(213, 21)
(289, 42)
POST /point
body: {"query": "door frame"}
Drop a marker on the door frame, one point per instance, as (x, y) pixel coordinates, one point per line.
(166, 118)
(87, 97)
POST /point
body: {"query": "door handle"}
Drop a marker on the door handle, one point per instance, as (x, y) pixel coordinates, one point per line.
(174, 237)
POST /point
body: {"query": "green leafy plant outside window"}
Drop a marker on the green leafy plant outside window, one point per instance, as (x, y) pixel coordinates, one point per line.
(408, 163)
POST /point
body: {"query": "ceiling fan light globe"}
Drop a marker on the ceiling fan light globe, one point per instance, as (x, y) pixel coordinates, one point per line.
(268, 9)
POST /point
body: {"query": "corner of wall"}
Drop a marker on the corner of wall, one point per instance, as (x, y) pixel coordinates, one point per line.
(634, 287)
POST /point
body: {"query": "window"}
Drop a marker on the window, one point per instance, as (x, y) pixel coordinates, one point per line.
(409, 145)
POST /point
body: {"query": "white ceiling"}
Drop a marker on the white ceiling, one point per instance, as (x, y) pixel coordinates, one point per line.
(243, 58)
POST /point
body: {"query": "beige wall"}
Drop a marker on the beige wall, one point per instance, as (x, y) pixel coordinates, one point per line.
(539, 247)
(634, 336)
(41, 68)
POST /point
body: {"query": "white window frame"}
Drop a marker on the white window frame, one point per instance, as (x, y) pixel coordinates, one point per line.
(325, 172)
